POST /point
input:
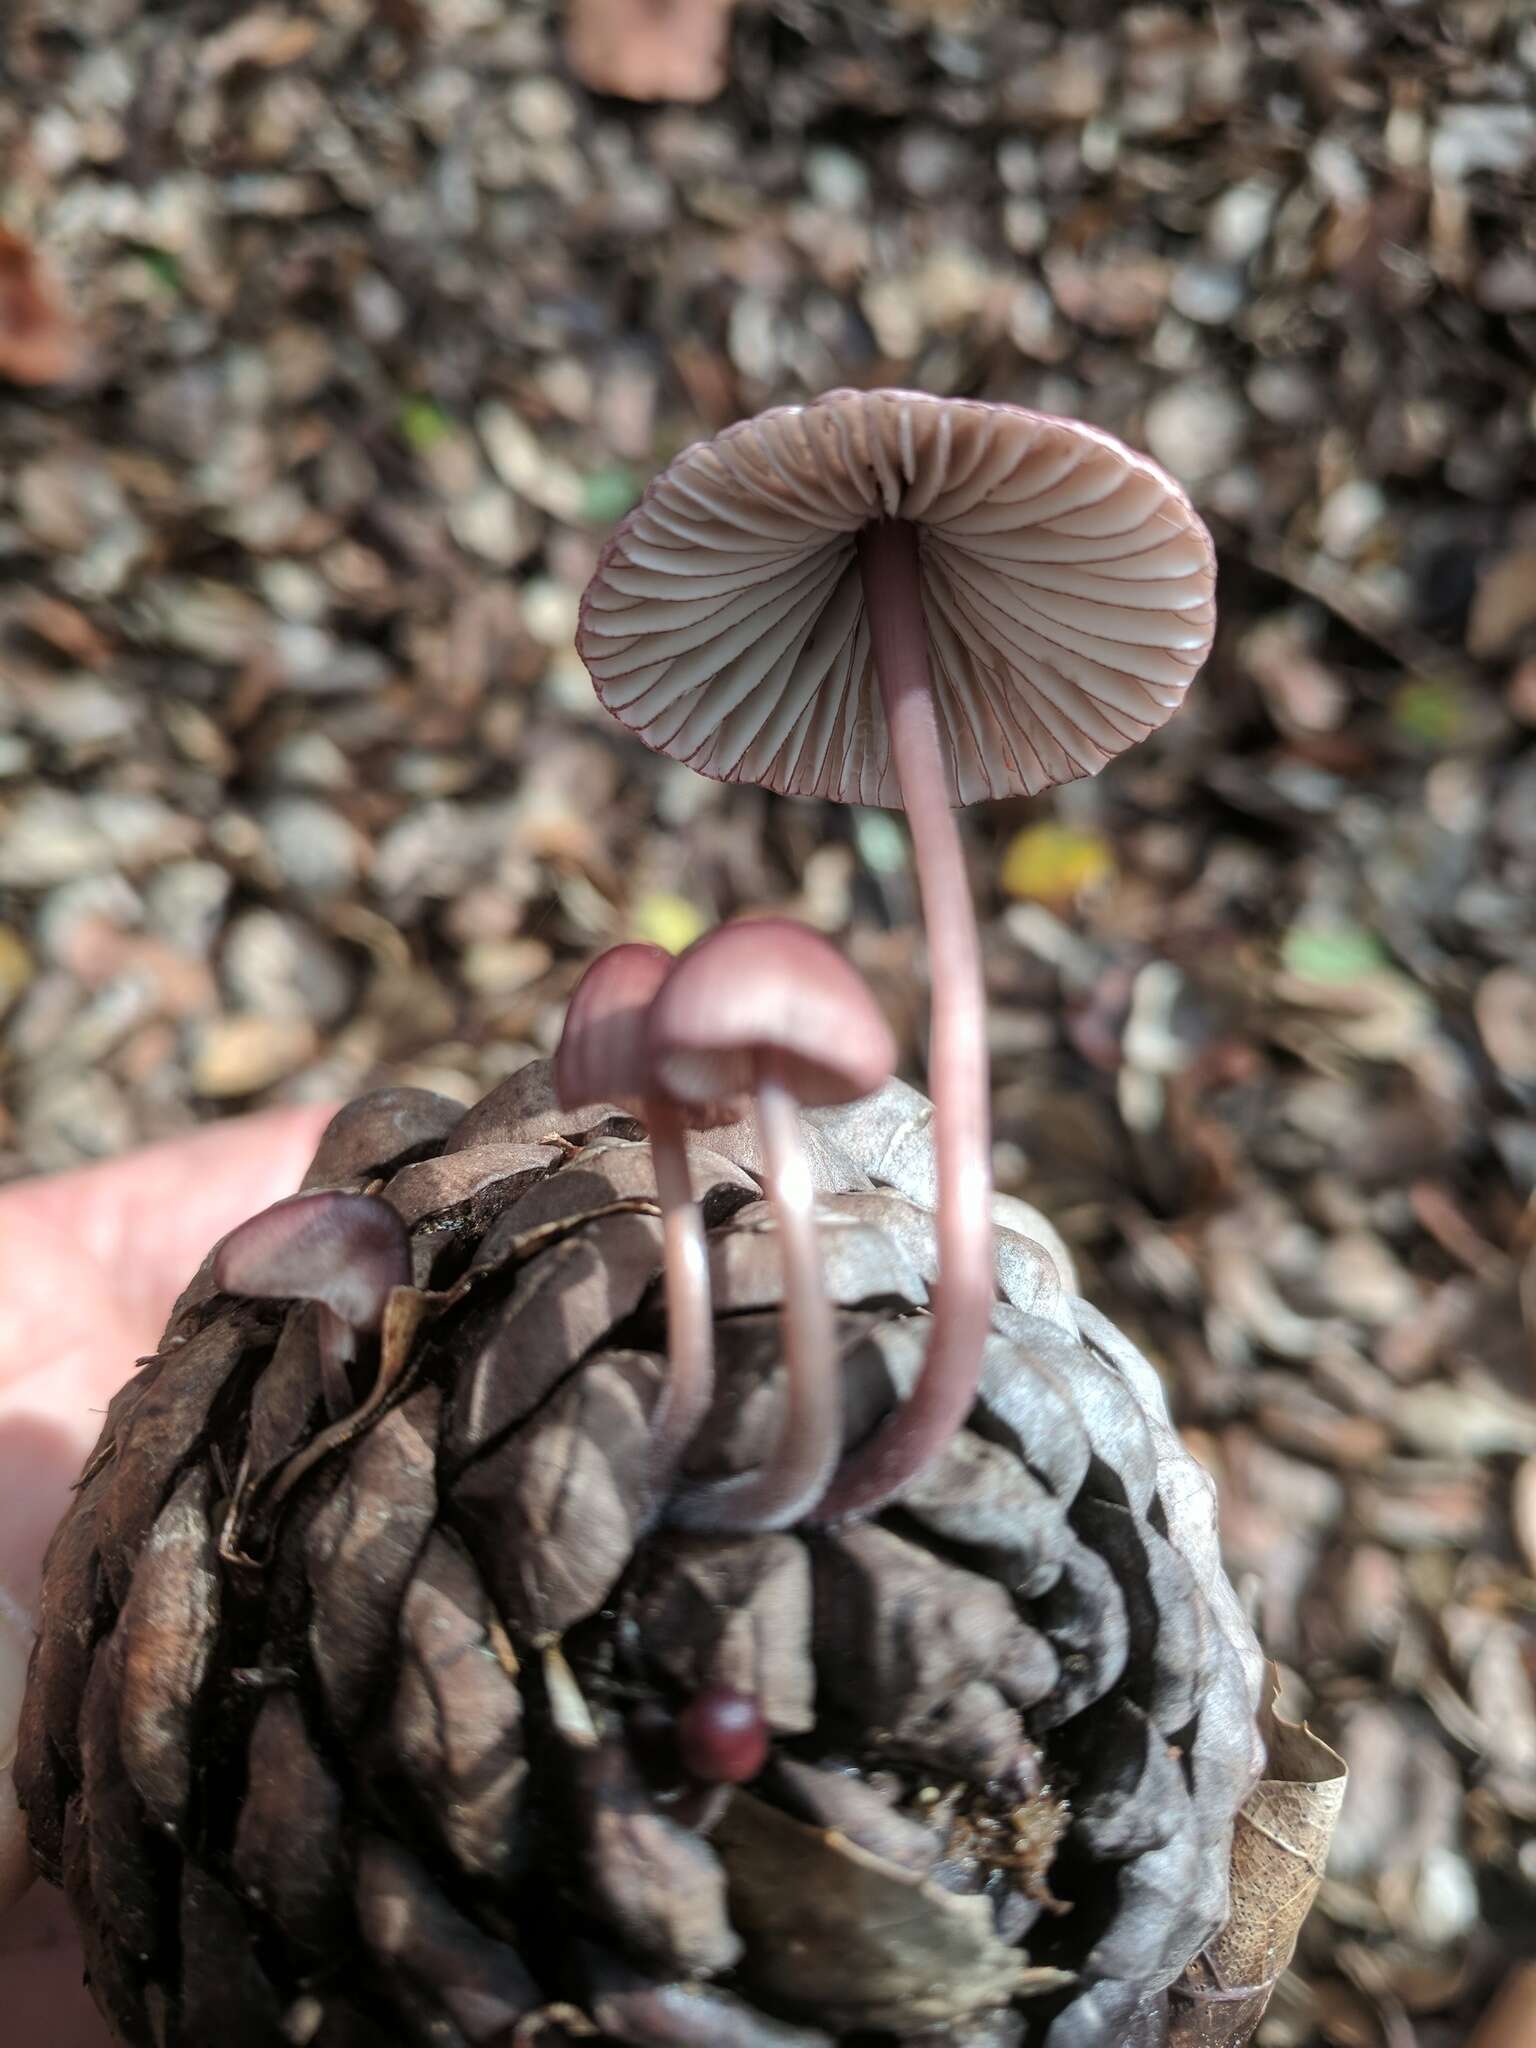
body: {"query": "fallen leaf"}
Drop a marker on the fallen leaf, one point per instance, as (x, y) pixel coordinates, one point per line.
(1331, 953)
(1505, 603)
(1055, 863)
(1524, 1511)
(1279, 1852)
(40, 340)
(1430, 710)
(832, 1929)
(1505, 1009)
(668, 921)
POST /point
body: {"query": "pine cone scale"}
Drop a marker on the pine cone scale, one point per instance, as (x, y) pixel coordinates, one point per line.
(383, 1704)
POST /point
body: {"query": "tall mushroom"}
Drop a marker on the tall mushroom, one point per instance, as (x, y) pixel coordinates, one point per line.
(768, 1006)
(602, 1057)
(888, 598)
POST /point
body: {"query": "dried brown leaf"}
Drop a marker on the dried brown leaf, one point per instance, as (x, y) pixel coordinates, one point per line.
(1524, 1508)
(40, 341)
(1505, 603)
(831, 1929)
(1279, 1853)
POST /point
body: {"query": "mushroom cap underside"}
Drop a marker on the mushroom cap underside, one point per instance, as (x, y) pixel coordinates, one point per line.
(1067, 582)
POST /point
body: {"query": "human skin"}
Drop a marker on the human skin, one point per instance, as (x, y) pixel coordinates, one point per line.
(90, 1263)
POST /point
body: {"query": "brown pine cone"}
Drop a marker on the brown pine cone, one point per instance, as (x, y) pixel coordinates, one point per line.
(370, 1714)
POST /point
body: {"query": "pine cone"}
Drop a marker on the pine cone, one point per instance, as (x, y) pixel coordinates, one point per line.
(354, 1714)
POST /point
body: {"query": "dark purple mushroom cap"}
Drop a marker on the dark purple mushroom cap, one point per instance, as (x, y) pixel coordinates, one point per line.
(1067, 583)
(768, 987)
(344, 1251)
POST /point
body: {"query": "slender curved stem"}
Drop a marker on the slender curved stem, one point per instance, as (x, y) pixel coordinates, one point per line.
(690, 1320)
(338, 1349)
(957, 1049)
(782, 1491)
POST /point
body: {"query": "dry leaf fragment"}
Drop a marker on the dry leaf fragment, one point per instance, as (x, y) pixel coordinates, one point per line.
(650, 49)
(1524, 1511)
(40, 341)
(1278, 1856)
(1505, 604)
(878, 1944)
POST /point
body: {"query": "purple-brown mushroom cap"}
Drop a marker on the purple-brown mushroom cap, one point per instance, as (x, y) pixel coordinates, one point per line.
(768, 987)
(345, 1251)
(604, 1053)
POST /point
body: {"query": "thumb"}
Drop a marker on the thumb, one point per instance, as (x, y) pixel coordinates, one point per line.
(90, 1263)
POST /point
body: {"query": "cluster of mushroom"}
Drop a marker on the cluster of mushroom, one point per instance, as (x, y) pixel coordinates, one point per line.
(879, 598)
(765, 1012)
(883, 598)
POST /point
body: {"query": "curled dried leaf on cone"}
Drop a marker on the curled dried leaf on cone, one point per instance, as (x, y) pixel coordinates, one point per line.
(414, 1767)
(1279, 1854)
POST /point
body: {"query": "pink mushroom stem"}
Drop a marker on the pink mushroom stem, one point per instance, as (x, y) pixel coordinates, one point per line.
(785, 1489)
(958, 1071)
(690, 1325)
(602, 1057)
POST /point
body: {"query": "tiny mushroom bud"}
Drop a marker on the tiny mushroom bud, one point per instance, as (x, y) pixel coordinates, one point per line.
(603, 1057)
(770, 1006)
(888, 598)
(346, 1252)
(722, 1737)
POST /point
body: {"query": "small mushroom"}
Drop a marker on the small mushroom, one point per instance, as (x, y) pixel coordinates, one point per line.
(603, 1057)
(722, 1737)
(768, 1006)
(345, 1252)
(888, 598)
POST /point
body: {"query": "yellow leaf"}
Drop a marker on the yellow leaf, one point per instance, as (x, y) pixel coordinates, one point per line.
(1054, 863)
(669, 921)
(15, 967)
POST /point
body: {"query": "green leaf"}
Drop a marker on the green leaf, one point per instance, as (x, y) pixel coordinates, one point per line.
(423, 424)
(608, 493)
(1335, 953)
(1430, 710)
(881, 842)
(162, 267)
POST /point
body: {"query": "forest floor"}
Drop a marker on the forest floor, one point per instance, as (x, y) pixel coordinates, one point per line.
(384, 319)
